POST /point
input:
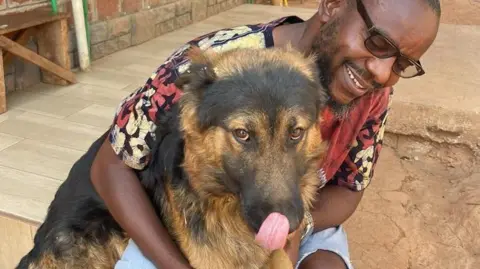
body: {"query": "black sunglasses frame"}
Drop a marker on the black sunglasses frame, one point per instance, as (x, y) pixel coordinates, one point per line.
(374, 31)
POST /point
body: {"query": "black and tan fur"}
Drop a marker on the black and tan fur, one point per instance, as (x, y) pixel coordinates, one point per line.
(211, 187)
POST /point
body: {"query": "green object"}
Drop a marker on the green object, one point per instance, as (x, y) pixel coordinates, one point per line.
(85, 17)
(54, 6)
(87, 26)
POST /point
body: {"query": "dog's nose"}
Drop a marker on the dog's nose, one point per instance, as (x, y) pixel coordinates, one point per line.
(293, 210)
(295, 217)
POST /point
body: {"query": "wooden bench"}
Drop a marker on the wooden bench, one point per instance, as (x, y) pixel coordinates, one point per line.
(51, 32)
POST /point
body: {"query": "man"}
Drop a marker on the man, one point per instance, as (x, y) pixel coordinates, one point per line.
(364, 47)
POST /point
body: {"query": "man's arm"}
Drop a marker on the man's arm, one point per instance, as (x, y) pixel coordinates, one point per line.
(338, 200)
(128, 203)
(334, 205)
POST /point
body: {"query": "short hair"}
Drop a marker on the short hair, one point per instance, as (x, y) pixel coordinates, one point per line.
(435, 5)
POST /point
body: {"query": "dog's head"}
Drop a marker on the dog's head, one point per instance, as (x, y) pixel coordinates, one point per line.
(250, 120)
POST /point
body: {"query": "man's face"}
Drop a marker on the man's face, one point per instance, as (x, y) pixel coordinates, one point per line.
(348, 68)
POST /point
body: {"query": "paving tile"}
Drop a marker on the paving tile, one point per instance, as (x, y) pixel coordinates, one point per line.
(40, 158)
(8, 140)
(25, 194)
(106, 79)
(49, 105)
(48, 89)
(95, 115)
(99, 95)
(44, 129)
(11, 113)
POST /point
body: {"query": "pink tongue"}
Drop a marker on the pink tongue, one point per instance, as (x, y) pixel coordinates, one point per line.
(273, 232)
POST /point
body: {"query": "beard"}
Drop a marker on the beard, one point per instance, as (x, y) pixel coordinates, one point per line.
(340, 111)
(324, 48)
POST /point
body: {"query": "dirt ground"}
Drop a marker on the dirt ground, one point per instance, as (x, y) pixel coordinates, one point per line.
(421, 211)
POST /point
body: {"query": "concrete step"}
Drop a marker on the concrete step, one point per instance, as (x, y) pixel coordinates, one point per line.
(444, 104)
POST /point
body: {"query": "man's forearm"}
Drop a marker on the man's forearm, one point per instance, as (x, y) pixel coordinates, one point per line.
(333, 206)
(129, 205)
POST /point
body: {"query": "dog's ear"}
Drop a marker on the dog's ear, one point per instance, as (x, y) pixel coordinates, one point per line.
(322, 97)
(199, 75)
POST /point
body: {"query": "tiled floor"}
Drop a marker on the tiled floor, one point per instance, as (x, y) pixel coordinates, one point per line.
(47, 128)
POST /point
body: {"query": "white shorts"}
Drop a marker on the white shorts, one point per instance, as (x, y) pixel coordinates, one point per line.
(332, 239)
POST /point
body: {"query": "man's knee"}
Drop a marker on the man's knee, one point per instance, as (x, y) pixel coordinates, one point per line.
(323, 259)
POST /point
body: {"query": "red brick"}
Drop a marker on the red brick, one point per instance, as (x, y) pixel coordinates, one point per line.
(3, 4)
(107, 9)
(131, 6)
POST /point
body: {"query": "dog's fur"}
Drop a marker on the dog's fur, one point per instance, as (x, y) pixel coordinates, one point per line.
(211, 186)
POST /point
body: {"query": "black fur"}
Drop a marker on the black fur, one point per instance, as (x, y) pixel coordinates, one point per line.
(78, 212)
(265, 90)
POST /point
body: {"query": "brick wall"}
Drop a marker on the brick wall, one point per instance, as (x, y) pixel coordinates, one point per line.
(118, 24)
(114, 25)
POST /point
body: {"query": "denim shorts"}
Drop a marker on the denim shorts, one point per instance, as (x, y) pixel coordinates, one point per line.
(332, 239)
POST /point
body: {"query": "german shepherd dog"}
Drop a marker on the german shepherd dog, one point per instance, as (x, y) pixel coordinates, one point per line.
(242, 145)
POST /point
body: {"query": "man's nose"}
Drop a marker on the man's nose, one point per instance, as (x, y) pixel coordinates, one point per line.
(381, 69)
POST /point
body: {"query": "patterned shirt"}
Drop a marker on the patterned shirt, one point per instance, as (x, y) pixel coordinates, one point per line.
(354, 142)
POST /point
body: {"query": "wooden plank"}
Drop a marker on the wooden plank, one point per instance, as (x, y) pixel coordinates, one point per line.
(34, 58)
(3, 92)
(22, 40)
(16, 241)
(24, 20)
(52, 39)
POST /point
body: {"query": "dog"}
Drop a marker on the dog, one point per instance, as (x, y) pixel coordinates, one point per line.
(240, 148)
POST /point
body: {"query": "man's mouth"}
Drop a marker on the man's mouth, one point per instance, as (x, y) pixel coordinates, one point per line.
(355, 78)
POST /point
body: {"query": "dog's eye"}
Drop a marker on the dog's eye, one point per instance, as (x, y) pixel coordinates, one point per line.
(296, 134)
(242, 134)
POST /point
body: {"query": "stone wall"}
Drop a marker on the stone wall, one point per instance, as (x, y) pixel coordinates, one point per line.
(114, 25)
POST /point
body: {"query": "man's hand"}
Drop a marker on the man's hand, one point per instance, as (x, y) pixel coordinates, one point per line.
(293, 245)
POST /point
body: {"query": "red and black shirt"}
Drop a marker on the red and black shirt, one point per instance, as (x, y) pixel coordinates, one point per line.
(354, 142)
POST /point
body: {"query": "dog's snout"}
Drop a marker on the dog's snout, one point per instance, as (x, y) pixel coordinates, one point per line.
(294, 216)
(258, 212)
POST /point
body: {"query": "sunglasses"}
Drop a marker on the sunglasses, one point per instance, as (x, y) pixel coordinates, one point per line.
(383, 47)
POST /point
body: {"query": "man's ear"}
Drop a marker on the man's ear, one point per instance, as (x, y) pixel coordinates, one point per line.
(199, 75)
(328, 9)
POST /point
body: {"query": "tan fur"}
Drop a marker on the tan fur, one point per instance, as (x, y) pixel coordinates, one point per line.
(221, 223)
(227, 63)
(91, 256)
(203, 154)
(203, 150)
